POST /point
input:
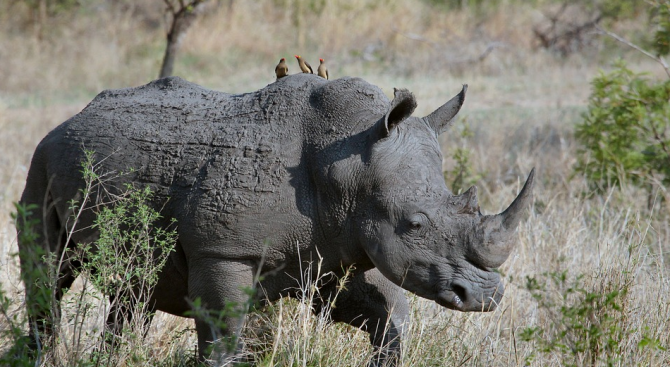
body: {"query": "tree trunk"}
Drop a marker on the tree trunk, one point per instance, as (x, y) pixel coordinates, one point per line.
(168, 59)
(182, 19)
(300, 24)
(40, 18)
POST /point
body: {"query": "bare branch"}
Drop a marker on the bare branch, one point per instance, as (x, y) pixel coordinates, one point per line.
(416, 37)
(438, 47)
(656, 58)
(170, 6)
(489, 48)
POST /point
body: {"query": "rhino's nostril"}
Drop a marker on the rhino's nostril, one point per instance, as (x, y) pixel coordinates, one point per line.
(460, 294)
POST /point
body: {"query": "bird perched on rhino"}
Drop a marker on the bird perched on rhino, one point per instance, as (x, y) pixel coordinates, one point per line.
(304, 65)
(322, 71)
(281, 70)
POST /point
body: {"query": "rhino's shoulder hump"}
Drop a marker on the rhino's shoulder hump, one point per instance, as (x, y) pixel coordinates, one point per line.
(346, 106)
(167, 90)
(349, 95)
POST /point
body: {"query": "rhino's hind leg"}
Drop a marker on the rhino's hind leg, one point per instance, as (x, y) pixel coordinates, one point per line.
(44, 316)
(41, 239)
(220, 291)
(374, 304)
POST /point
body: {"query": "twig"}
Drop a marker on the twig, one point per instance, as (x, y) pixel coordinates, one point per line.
(437, 46)
(170, 7)
(489, 48)
(416, 37)
(656, 58)
(479, 58)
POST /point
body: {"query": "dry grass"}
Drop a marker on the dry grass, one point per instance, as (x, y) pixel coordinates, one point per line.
(521, 107)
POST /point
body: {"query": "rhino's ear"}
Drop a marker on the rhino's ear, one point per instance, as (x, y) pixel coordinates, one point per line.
(402, 106)
(442, 118)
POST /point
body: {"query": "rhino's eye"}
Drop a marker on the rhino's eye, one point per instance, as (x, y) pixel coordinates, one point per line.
(417, 221)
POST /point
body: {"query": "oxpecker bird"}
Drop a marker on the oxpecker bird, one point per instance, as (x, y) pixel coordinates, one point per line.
(322, 71)
(281, 69)
(304, 66)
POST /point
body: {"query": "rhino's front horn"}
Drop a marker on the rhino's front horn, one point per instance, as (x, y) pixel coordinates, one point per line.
(441, 119)
(512, 215)
(497, 244)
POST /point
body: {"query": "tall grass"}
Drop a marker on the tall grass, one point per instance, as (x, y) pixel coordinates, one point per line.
(574, 250)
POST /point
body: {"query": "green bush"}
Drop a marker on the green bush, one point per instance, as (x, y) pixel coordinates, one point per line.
(123, 265)
(584, 323)
(625, 131)
(660, 18)
(625, 134)
(464, 174)
(586, 319)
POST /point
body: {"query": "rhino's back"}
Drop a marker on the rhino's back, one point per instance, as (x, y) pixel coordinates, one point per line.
(222, 154)
(225, 166)
(179, 138)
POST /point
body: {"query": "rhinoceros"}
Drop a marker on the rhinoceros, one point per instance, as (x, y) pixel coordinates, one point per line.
(260, 182)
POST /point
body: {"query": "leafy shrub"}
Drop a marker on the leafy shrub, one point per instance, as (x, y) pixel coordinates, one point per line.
(625, 133)
(463, 175)
(660, 17)
(123, 265)
(587, 320)
(584, 323)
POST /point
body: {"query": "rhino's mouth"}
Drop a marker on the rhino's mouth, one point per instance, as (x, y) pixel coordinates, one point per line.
(458, 298)
(450, 300)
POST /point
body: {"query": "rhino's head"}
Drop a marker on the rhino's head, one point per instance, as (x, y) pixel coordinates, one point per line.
(415, 231)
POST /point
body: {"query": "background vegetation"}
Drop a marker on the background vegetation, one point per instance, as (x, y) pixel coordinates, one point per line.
(588, 281)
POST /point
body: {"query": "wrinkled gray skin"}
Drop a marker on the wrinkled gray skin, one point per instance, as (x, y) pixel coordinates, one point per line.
(261, 180)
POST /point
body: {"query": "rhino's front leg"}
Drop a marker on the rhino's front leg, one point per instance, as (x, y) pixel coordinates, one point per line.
(222, 288)
(374, 304)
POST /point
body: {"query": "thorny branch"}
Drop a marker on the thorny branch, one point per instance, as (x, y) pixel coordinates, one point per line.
(656, 58)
